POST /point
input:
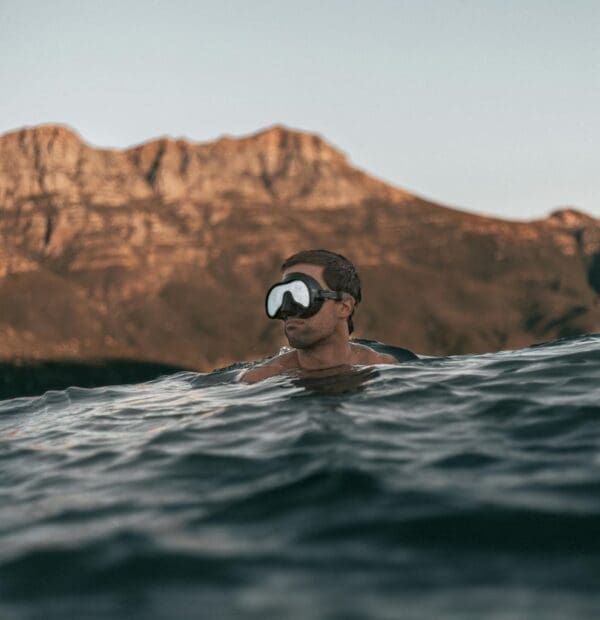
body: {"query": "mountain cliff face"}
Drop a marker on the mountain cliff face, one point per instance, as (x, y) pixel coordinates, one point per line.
(163, 252)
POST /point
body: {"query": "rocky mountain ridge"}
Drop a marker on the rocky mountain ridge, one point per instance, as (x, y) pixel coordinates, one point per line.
(162, 252)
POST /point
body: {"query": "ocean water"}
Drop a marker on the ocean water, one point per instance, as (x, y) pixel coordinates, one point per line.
(459, 487)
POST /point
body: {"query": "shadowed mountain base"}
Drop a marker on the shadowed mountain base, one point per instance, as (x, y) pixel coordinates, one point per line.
(34, 378)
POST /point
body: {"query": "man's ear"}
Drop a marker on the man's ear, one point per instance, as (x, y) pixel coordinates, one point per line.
(347, 305)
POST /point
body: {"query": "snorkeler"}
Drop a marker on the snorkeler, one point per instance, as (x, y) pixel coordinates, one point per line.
(316, 299)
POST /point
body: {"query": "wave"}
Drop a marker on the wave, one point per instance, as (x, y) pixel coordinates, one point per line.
(474, 479)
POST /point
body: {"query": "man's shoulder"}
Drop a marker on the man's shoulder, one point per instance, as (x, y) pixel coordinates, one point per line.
(275, 366)
(365, 355)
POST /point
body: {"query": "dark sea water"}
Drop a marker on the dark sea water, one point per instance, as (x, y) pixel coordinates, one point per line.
(460, 487)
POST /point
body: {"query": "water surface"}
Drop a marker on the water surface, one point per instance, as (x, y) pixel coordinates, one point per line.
(460, 487)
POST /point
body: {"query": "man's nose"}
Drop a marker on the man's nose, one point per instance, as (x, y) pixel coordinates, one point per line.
(288, 306)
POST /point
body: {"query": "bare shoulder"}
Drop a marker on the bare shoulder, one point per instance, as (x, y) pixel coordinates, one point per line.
(278, 365)
(365, 355)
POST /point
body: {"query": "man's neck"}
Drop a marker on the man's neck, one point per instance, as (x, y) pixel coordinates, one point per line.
(329, 354)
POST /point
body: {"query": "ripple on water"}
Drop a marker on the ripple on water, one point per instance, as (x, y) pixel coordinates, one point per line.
(459, 487)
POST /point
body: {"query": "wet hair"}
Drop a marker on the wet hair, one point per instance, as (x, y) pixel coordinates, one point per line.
(339, 273)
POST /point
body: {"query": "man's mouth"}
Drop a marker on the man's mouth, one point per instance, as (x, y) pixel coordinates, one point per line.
(293, 322)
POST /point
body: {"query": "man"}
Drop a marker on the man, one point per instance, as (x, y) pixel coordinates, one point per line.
(316, 299)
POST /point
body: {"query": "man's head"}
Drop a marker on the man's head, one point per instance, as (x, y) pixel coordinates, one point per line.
(337, 285)
(339, 274)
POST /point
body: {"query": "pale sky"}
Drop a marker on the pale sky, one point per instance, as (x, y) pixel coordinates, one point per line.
(488, 106)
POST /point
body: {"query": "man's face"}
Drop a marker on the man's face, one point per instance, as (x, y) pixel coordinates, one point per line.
(304, 333)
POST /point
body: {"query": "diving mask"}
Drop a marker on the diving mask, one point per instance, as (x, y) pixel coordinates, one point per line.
(297, 295)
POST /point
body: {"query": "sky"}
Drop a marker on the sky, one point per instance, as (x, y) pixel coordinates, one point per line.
(490, 106)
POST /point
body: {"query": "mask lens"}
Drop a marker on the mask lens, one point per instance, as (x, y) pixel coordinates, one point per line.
(298, 290)
(300, 293)
(274, 300)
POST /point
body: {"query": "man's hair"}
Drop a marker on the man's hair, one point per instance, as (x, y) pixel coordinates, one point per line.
(339, 273)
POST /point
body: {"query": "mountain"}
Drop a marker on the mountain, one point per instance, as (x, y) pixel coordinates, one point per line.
(162, 253)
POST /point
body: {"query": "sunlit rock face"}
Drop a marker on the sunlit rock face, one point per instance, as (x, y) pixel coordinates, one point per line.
(162, 252)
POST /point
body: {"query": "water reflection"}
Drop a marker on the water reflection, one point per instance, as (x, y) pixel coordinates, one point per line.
(341, 380)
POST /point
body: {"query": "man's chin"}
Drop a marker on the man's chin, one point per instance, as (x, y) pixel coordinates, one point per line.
(295, 342)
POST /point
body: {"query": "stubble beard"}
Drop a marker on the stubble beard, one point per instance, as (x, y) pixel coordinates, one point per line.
(302, 341)
(297, 342)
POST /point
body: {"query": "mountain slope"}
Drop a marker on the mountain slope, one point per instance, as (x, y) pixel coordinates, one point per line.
(163, 252)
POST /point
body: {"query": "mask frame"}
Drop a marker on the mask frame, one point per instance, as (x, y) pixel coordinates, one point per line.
(297, 295)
